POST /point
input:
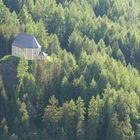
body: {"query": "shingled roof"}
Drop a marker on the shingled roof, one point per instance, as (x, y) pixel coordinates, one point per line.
(25, 40)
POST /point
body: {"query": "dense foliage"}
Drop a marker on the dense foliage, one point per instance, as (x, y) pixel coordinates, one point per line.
(88, 88)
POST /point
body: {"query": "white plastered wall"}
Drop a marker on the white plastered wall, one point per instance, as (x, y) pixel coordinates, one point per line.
(28, 53)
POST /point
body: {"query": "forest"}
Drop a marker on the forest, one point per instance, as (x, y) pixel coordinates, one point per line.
(88, 88)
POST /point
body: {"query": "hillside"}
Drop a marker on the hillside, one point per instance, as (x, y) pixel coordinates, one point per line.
(8, 71)
(88, 88)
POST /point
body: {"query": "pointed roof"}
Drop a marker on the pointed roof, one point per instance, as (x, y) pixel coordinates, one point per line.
(25, 40)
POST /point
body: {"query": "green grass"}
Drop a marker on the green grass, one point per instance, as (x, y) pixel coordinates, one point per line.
(9, 58)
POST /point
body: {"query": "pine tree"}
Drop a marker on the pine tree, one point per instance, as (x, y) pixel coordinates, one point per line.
(22, 69)
(52, 118)
(25, 16)
(94, 118)
(81, 119)
(4, 133)
(69, 120)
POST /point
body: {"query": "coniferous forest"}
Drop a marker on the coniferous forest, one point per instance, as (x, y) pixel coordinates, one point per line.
(88, 88)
